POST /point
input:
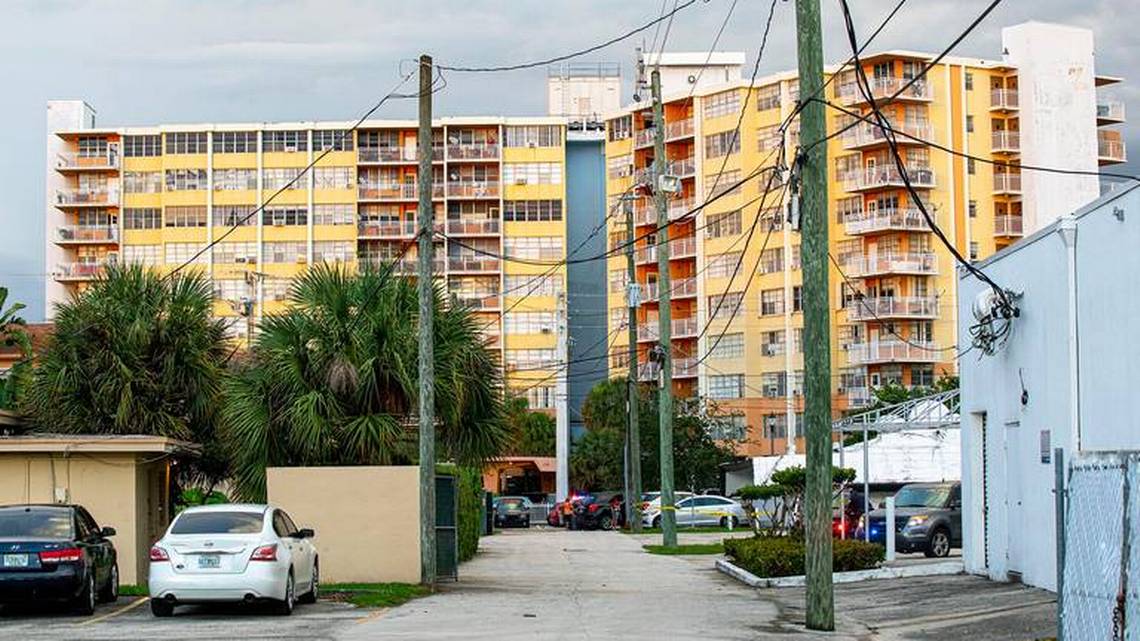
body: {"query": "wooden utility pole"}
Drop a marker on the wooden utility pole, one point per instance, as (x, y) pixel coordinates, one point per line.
(817, 339)
(427, 356)
(664, 319)
(633, 427)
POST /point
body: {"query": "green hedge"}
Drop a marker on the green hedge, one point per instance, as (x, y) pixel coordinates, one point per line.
(769, 557)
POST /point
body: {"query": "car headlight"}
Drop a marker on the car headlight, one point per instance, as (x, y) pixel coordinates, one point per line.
(916, 521)
(862, 521)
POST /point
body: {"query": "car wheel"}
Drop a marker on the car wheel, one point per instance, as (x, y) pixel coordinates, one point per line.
(85, 602)
(161, 609)
(110, 592)
(939, 545)
(314, 589)
(285, 606)
(657, 521)
(606, 522)
(526, 524)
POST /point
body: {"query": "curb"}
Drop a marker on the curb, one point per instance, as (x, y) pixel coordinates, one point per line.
(922, 569)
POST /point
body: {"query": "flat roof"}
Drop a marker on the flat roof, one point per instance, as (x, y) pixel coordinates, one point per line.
(693, 58)
(445, 121)
(91, 443)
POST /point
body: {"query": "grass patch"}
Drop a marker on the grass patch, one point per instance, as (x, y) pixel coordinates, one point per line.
(373, 595)
(133, 590)
(688, 548)
(707, 529)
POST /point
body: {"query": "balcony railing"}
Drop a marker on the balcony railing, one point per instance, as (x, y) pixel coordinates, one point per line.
(395, 191)
(406, 267)
(921, 177)
(644, 138)
(475, 227)
(882, 88)
(1009, 141)
(73, 160)
(1007, 183)
(678, 248)
(77, 197)
(893, 351)
(473, 264)
(1007, 225)
(682, 368)
(473, 151)
(473, 189)
(396, 154)
(679, 129)
(1003, 99)
(867, 135)
(76, 234)
(79, 271)
(1110, 111)
(678, 288)
(682, 328)
(645, 214)
(884, 307)
(474, 301)
(1110, 147)
(885, 219)
(917, 263)
(387, 229)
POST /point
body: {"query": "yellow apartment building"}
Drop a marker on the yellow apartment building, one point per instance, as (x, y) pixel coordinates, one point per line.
(893, 285)
(159, 195)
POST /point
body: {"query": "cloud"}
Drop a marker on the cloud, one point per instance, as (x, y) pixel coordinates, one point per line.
(268, 52)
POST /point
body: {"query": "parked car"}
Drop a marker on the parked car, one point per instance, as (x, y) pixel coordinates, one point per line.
(700, 510)
(56, 553)
(593, 514)
(512, 511)
(651, 500)
(928, 519)
(236, 553)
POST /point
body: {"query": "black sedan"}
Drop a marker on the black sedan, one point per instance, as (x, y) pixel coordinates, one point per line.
(512, 511)
(56, 553)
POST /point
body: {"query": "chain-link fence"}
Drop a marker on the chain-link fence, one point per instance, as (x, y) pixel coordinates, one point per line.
(1100, 591)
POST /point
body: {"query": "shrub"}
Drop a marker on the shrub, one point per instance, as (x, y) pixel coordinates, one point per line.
(771, 557)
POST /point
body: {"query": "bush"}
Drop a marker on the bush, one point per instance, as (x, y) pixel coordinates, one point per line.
(770, 557)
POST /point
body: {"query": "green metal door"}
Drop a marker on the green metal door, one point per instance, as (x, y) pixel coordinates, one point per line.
(446, 532)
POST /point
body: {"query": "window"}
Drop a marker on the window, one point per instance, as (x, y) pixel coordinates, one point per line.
(723, 265)
(186, 143)
(974, 251)
(527, 285)
(728, 428)
(768, 138)
(533, 247)
(970, 166)
(922, 375)
(334, 251)
(185, 179)
(235, 252)
(726, 386)
(531, 358)
(142, 218)
(771, 302)
(772, 343)
(620, 128)
(334, 178)
(721, 225)
(730, 346)
(797, 299)
(725, 306)
(722, 104)
(969, 81)
(92, 146)
(146, 146)
(217, 523)
(798, 382)
(775, 426)
(235, 179)
(528, 323)
(532, 210)
(969, 123)
(723, 183)
(772, 219)
(772, 260)
(234, 215)
(194, 216)
(276, 288)
(330, 214)
(235, 142)
(534, 136)
(232, 290)
(973, 209)
(283, 178)
(181, 253)
(288, 141)
(532, 173)
(284, 252)
(724, 143)
(142, 182)
(618, 280)
(768, 97)
(619, 166)
(147, 255)
(285, 215)
(539, 397)
(773, 384)
(332, 140)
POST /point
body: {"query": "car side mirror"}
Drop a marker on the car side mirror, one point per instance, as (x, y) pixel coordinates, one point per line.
(304, 533)
(955, 505)
(107, 532)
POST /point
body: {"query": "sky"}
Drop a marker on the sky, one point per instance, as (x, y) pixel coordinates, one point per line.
(166, 61)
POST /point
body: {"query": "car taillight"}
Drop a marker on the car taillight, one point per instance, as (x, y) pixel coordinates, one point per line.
(65, 555)
(158, 554)
(265, 553)
(593, 508)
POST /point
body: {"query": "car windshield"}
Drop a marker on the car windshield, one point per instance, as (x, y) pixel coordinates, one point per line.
(511, 504)
(218, 523)
(46, 524)
(913, 496)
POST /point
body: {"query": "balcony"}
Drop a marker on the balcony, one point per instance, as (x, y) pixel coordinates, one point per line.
(473, 151)
(1110, 148)
(914, 263)
(72, 161)
(86, 198)
(681, 328)
(1007, 183)
(395, 155)
(474, 227)
(86, 234)
(678, 248)
(407, 266)
(679, 129)
(868, 135)
(74, 272)
(1008, 225)
(387, 229)
(893, 351)
(645, 213)
(885, 219)
(473, 189)
(1003, 100)
(888, 176)
(682, 368)
(859, 396)
(1109, 112)
(678, 288)
(644, 138)
(395, 191)
(1008, 142)
(488, 302)
(883, 88)
(889, 307)
(480, 264)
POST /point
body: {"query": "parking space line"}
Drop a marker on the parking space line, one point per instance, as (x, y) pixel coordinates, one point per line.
(125, 608)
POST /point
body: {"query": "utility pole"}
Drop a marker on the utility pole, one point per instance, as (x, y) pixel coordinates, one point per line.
(817, 339)
(561, 411)
(427, 356)
(633, 427)
(664, 319)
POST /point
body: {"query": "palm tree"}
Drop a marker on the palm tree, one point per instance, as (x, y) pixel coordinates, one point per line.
(12, 334)
(334, 381)
(135, 353)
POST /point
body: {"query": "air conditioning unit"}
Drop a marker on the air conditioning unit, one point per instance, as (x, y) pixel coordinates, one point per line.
(520, 181)
(240, 259)
(532, 144)
(546, 330)
(301, 259)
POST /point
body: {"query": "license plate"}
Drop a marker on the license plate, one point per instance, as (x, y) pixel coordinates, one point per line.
(209, 561)
(16, 561)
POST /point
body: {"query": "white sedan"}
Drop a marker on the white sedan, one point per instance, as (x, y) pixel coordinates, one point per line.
(220, 553)
(700, 510)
